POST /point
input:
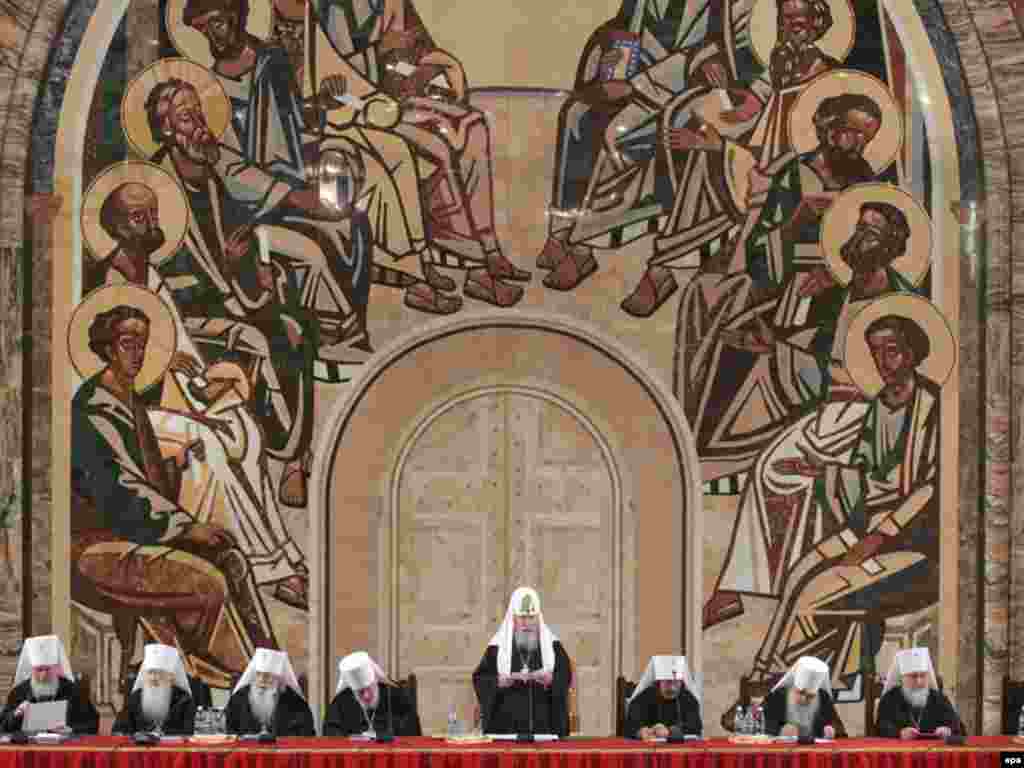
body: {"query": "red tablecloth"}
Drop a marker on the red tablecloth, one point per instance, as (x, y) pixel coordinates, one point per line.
(114, 752)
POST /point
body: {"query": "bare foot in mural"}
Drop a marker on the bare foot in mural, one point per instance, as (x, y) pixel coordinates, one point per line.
(294, 482)
(294, 591)
(722, 606)
(653, 290)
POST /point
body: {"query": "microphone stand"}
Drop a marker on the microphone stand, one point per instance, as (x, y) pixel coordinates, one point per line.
(528, 737)
(675, 733)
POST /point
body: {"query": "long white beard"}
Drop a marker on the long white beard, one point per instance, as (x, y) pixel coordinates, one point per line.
(916, 697)
(43, 691)
(802, 715)
(527, 641)
(156, 703)
(263, 703)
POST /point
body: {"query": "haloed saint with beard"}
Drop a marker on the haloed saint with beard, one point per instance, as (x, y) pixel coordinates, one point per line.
(880, 238)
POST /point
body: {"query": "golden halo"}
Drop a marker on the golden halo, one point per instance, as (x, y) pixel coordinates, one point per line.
(936, 367)
(216, 107)
(163, 340)
(881, 150)
(192, 44)
(837, 42)
(173, 207)
(840, 220)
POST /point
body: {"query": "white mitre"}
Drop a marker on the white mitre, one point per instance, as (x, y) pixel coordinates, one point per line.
(907, 662)
(524, 602)
(665, 668)
(808, 674)
(276, 663)
(42, 651)
(358, 671)
(166, 659)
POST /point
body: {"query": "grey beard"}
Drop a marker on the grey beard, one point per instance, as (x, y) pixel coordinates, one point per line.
(42, 691)
(527, 641)
(916, 697)
(263, 703)
(802, 715)
(156, 703)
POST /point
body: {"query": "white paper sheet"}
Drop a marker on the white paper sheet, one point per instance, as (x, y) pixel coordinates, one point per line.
(45, 716)
(514, 736)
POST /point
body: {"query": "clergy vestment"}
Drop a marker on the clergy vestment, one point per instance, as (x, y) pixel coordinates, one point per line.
(394, 713)
(775, 713)
(895, 714)
(292, 717)
(180, 717)
(507, 710)
(82, 715)
(651, 708)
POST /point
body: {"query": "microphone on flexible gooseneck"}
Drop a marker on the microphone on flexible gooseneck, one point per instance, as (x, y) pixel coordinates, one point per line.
(526, 737)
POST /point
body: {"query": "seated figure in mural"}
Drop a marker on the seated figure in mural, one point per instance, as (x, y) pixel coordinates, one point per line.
(703, 146)
(801, 703)
(135, 550)
(229, 199)
(268, 699)
(801, 362)
(44, 674)
(161, 699)
(268, 128)
(367, 701)
(783, 347)
(665, 701)
(445, 134)
(843, 530)
(912, 703)
(522, 682)
(220, 394)
(608, 167)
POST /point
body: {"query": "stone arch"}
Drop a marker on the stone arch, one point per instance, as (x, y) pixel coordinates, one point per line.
(370, 427)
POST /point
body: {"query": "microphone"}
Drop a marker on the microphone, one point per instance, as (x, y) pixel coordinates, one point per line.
(675, 733)
(387, 736)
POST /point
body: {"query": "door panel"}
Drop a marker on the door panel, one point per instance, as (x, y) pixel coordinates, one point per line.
(500, 491)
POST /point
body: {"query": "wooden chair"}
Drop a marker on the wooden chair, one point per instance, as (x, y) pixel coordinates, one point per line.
(1013, 700)
(411, 688)
(623, 690)
(872, 695)
(574, 702)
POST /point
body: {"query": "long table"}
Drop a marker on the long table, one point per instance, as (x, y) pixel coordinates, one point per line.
(118, 752)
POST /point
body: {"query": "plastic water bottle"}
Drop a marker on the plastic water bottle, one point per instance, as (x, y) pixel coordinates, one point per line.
(758, 716)
(739, 721)
(1020, 722)
(453, 722)
(201, 720)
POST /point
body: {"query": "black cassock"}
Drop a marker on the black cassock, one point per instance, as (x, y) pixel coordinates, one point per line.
(394, 714)
(651, 708)
(507, 710)
(292, 716)
(775, 714)
(895, 714)
(82, 715)
(181, 717)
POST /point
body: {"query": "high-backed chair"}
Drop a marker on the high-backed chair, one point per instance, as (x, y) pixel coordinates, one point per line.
(411, 687)
(623, 690)
(574, 701)
(1013, 700)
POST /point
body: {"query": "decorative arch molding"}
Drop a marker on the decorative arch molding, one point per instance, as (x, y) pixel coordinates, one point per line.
(589, 373)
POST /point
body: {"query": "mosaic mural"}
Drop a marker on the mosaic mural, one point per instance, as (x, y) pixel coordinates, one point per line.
(293, 183)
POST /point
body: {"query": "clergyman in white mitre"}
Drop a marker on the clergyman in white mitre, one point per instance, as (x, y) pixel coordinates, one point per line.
(522, 682)
(268, 699)
(161, 699)
(801, 703)
(368, 702)
(912, 703)
(665, 698)
(44, 674)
